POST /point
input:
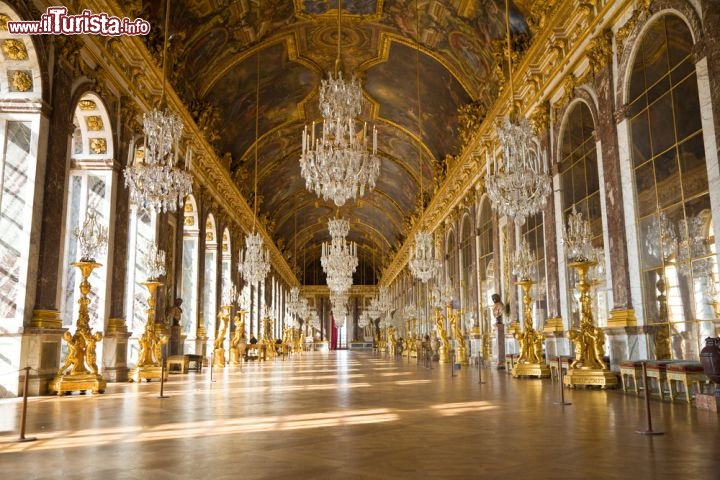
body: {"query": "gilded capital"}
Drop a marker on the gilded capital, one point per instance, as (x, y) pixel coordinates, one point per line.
(599, 51)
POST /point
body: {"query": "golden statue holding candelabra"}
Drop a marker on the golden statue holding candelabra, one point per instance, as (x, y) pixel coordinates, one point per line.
(454, 317)
(588, 367)
(219, 344)
(80, 371)
(268, 339)
(531, 361)
(238, 342)
(444, 347)
(150, 359)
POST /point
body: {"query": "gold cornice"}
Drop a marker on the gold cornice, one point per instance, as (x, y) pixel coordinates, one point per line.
(205, 165)
(467, 170)
(324, 291)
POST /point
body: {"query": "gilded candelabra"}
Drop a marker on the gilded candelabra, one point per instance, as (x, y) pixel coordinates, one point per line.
(219, 345)
(461, 355)
(238, 342)
(531, 361)
(588, 367)
(268, 339)
(80, 370)
(150, 359)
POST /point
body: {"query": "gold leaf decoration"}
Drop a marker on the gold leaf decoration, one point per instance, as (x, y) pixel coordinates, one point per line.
(87, 105)
(98, 145)
(94, 123)
(20, 81)
(14, 49)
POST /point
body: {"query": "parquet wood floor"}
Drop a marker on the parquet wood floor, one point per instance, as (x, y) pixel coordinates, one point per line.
(355, 415)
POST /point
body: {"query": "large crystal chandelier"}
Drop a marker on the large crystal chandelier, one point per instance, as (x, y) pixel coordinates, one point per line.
(661, 240)
(423, 264)
(339, 307)
(519, 184)
(338, 164)
(254, 260)
(339, 258)
(153, 177)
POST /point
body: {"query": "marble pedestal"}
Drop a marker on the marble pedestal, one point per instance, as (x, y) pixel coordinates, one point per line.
(40, 349)
(539, 370)
(114, 359)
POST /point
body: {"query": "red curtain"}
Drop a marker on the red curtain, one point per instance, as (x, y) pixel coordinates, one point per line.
(333, 333)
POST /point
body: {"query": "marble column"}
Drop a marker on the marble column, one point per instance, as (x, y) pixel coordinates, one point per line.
(711, 25)
(42, 338)
(201, 334)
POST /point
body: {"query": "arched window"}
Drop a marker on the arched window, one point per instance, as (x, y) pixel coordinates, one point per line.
(534, 233)
(671, 186)
(20, 92)
(451, 259)
(467, 272)
(580, 188)
(189, 281)
(209, 291)
(90, 183)
(485, 259)
(226, 265)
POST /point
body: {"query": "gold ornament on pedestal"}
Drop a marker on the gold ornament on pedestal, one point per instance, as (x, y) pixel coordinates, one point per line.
(588, 368)
(238, 342)
(267, 338)
(454, 316)
(150, 359)
(219, 345)
(531, 361)
(80, 371)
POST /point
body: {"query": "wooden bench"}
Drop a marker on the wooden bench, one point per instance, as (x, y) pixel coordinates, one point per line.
(656, 369)
(687, 372)
(183, 362)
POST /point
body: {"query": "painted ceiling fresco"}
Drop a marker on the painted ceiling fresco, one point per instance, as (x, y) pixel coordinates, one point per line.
(217, 47)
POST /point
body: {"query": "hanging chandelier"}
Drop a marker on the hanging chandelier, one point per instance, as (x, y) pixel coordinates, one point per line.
(578, 240)
(423, 264)
(153, 177)
(255, 260)
(338, 165)
(524, 267)
(339, 258)
(519, 184)
(155, 262)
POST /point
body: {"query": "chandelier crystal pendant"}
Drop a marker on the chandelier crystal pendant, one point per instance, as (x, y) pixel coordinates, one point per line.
(578, 240)
(254, 260)
(153, 177)
(338, 165)
(524, 260)
(519, 183)
(155, 262)
(92, 237)
(339, 258)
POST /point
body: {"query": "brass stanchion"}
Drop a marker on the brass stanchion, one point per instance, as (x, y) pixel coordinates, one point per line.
(452, 364)
(562, 386)
(212, 363)
(649, 430)
(480, 367)
(23, 416)
(162, 374)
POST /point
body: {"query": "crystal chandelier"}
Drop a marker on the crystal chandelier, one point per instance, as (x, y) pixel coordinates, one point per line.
(661, 240)
(339, 307)
(364, 319)
(524, 262)
(423, 264)
(519, 184)
(154, 179)
(578, 240)
(155, 262)
(691, 247)
(293, 302)
(338, 165)
(254, 260)
(339, 258)
(92, 237)
(243, 299)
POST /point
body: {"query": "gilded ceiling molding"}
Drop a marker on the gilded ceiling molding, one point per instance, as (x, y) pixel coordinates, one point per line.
(561, 19)
(324, 291)
(639, 14)
(599, 51)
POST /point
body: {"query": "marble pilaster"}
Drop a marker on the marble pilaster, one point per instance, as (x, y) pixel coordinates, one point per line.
(41, 349)
(115, 351)
(606, 132)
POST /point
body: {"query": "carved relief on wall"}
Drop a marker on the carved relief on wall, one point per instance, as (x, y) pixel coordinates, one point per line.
(20, 80)
(14, 49)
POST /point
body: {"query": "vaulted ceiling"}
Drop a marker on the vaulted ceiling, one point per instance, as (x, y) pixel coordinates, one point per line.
(217, 47)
